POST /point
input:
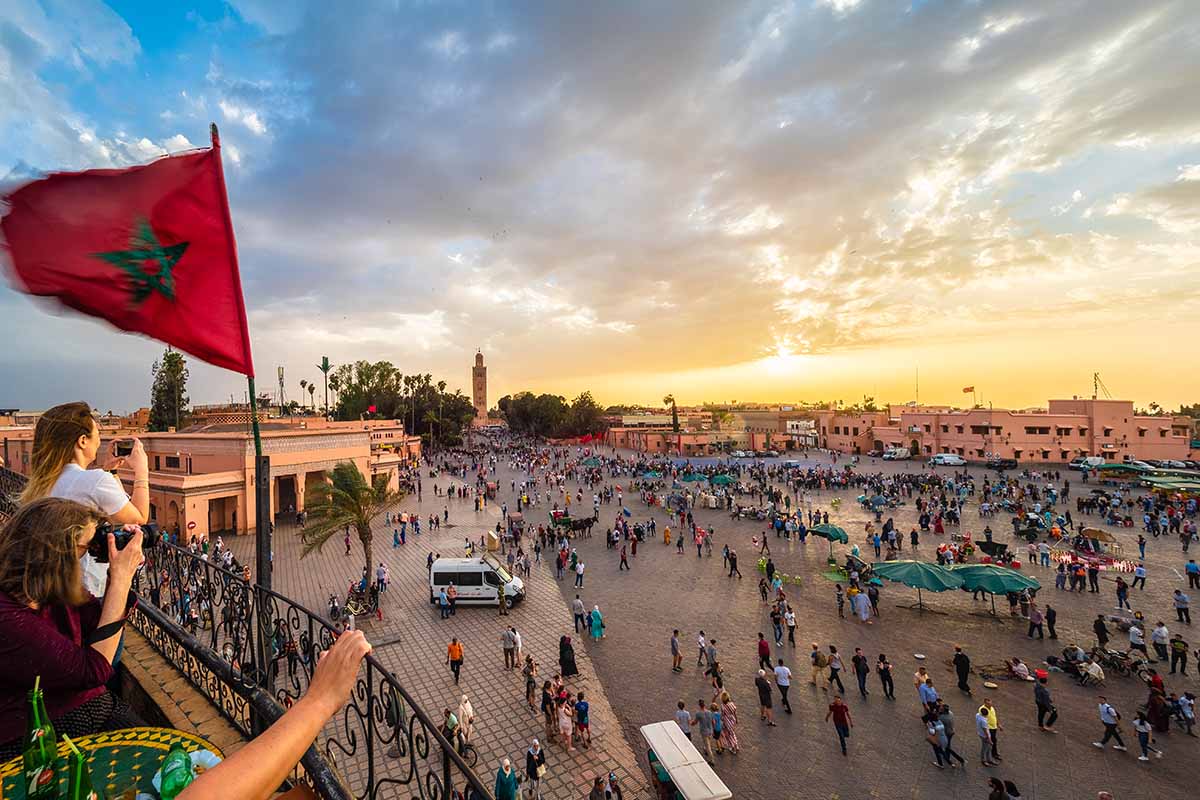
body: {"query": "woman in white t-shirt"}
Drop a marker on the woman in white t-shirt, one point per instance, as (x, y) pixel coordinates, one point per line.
(65, 443)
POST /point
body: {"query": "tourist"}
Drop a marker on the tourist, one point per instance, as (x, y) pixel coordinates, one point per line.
(683, 719)
(535, 769)
(962, 667)
(509, 644)
(45, 612)
(862, 668)
(729, 722)
(703, 720)
(529, 671)
(1110, 718)
(763, 686)
(946, 717)
(579, 611)
(994, 727)
(842, 722)
(783, 679)
(454, 656)
(835, 669)
(1047, 714)
(985, 738)
(884, 668)
(583, 725)
(1142, 727)
(566, 721)
(547, 706)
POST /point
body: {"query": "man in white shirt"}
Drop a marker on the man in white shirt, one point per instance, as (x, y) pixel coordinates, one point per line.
(1159, 638)
(783, 679)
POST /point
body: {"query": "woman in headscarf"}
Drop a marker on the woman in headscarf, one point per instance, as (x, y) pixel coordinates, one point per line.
(506, 781)
(597, 624)
(566, 657)
(729, 721)
(466, 718)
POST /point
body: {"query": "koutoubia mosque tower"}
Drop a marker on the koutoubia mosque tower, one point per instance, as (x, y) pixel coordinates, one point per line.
(479, 388)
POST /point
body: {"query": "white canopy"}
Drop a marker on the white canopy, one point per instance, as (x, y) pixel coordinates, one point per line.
(690, 773)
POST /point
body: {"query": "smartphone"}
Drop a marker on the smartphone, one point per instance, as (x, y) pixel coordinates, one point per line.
(123, 447)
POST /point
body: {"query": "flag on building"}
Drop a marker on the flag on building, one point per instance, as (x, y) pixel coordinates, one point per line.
(968, 389)
(149, 248)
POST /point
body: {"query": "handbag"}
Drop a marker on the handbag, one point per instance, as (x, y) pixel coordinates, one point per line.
(541, 770)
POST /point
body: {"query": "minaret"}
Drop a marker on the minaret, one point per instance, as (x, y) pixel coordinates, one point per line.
(479, 387)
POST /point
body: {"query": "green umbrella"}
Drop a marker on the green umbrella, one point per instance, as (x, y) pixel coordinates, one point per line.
(692, 477)
(722, 480)
(993, 579)
(831, 532)
(919, 575)
(652, 474)
(590, 462)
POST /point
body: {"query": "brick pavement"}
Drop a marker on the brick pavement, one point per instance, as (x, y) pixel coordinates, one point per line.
(889, 756)
(415, 642)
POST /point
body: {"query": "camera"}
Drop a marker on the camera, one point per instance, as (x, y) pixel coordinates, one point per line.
(123, 447)
(98, 546)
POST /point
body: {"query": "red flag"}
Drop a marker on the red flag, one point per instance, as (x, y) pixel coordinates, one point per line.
(968, 389)
(149, 248)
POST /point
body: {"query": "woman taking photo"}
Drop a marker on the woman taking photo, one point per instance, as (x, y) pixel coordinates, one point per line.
(65, 444)
(50, 627)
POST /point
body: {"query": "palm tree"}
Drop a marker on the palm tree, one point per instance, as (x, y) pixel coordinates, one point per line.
(303, 386)
(346, 500)
(312, 389)
(335, 383)
(669, 400)
(325, 366)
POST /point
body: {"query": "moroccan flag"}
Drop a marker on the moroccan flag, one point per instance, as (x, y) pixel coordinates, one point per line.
(149, 248)
(968, 389)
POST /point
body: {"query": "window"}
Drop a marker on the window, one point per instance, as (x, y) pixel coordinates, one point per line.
(1142, 433)
(491, 578)
(172, 462)
(157, 465)
(1062, 431)
(837, 429)
(980, 453)
(927, 429)
(1034, 430)
(1083, 431)
(979, 429)
(1108, 431)
(444, 578)
(959, 429)
(856, 431)
(1162, 434)
(473, 578)
(945, 429)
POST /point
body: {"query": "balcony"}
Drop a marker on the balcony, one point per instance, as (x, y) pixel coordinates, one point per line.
(249, 654)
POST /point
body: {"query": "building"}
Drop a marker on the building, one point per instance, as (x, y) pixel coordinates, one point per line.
(479, 388)
(203, 480)
(1062, 431)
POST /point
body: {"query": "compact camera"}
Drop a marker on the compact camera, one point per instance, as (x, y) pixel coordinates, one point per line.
(98, 547)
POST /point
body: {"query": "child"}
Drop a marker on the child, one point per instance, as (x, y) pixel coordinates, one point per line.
(841, 600)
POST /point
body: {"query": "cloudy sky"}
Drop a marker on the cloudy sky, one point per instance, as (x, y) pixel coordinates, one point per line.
(728, 201)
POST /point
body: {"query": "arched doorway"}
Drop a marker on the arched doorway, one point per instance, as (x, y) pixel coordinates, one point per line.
(914, 448)
(172, 519)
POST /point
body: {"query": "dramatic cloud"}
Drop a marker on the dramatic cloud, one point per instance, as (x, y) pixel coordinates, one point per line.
(608, 196)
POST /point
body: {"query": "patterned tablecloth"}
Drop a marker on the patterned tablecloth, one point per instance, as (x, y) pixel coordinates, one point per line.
(121, 762)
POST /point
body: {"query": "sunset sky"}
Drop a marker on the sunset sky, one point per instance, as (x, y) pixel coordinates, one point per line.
(725, 200)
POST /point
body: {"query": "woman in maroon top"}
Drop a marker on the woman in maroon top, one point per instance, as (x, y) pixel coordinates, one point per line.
(52, 628)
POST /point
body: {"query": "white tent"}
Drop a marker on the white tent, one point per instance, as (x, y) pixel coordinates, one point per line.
(690, 773)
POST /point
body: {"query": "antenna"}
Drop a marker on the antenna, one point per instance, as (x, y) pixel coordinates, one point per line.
(1098, 386)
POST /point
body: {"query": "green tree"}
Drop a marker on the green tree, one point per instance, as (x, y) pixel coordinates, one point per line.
(345, 500)
(586, 416)
(669, 400)
(168, 394)
(325, 366)
(303, 387)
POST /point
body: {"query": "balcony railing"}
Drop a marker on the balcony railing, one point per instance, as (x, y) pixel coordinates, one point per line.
(252, 651)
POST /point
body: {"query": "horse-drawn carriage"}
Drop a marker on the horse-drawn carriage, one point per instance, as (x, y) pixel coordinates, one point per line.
(572, 525)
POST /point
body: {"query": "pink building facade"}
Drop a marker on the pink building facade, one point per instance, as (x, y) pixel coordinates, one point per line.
(1066, 429)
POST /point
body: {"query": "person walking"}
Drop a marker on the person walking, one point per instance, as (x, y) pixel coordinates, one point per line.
(862, 668)
(962, 667)
(1051, 616)
(946, 717)
(703, 720)
(1159, 637)
(624, 560)
(789, 618)
(1036, 618)
(579, 611)
(1110, 718)
(994, 727)
(1179, 653)
(1182, 603)
(535, 770)
(454, 656)
(676, 655)
(928, 694)
(839, 712)
(1144, 730)
(935, 734)
(1047, 714)
(1139, 576)
(985, 738)
(729, 723)
(764, 652)
(509, 644)
(1101, 631)
(884, 669)
(579, 575)
(764, 698)
(835, 669)
(507, 782)
(733, 565)
(783, 679)
(819, 661)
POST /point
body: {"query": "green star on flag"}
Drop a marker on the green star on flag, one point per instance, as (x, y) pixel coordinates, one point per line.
(144, 248)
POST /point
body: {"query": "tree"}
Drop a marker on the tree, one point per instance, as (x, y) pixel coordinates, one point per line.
(325, 366)
(168, 394)
(670, 400)
(346, 500)
(586, 416)
(312, 389)
(334, 383)
(409, 398)
(303, 386)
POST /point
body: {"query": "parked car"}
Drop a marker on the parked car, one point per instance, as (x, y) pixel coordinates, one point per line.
(772, 454)
(876, 453)
(1001, 464)
(1174, 464)
(1085, 462)
(897, 454)
(738, 454)
(948, 460)
(1135, 463)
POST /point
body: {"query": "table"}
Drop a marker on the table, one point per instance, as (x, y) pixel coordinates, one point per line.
(118, 760)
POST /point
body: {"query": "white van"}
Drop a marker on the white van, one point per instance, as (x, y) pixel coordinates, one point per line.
(477, 580)
(948, 460)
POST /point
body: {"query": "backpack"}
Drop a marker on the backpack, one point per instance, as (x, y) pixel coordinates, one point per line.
(822, 660)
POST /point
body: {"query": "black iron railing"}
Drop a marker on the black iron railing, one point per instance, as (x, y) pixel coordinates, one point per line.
(252, 651)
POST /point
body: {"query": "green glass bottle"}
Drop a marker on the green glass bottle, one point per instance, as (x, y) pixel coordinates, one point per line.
(79, 777)
(41, 747)
(176, 771)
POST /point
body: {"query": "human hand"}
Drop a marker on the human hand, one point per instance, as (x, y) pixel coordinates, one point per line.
(336, 672)
(122, 564)
(137, 460)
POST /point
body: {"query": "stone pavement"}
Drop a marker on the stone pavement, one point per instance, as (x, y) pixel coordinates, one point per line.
(629, 671)
(413, 643)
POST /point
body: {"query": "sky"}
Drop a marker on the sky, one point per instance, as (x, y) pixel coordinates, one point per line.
(753, 201)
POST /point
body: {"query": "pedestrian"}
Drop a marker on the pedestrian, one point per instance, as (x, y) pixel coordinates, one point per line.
(1182, 612)
(507, 782)
(764, 698)
(1158, 640)
(994, 728)
(703, 720)
(1046, 712)
(1142, 727)
(583, 721)
(962, 666)
(1179, 653)
(535, 769)
(1139, 576)
(764, 652)
(1123, 594)
(1110, 718)
(862, 668)
(676, 656)
(502, 601)
(529, 670)
(835, 669)
(579, 575)
(842, 722)
(578, 610)
(729, 722)
(1036, 619)
(935, 734)
(783, 679)
(840, 596)
(819, 661)
(985, 738)
(884, 668)
(1101, 631)
(509, 645)
(624, 560)
(454, 656)
(790, 619)
(597, 621)
(683, 719)
(733, 565)
(928, 694)
(1051, 616)
(946, 717)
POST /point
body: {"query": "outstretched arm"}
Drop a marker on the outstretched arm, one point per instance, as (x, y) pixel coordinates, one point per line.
(257, 770)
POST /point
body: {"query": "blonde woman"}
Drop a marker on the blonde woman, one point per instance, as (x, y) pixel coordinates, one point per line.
(66, 442)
